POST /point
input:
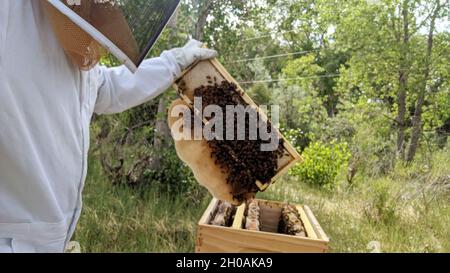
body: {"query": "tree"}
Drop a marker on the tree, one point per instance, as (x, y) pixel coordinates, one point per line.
(404, 41)
(388, 42)
(204, 9)
(417, 118)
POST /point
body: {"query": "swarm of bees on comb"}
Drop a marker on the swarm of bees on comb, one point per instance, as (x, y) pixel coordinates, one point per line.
(242, 160)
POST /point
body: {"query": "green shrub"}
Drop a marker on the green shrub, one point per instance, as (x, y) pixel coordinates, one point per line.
(322, 163)
(172, 175)
(124, 145)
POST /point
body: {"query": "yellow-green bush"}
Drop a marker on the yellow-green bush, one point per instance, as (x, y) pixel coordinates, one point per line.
(322, 163)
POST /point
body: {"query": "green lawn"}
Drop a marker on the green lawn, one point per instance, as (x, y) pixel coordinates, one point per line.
(408, 211)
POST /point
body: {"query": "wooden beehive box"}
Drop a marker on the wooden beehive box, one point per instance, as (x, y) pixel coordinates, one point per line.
(236, 239)
(196, 76)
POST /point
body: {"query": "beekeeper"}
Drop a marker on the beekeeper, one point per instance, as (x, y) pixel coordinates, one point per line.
(50, 86)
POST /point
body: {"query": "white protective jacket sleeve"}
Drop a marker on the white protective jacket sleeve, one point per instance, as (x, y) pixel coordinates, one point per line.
(120, 90)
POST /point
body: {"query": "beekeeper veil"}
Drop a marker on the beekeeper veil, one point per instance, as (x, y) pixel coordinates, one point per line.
(127, 29)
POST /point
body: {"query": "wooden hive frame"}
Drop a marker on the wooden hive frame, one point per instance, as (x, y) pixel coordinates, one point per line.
(196, 76)
(236, 239)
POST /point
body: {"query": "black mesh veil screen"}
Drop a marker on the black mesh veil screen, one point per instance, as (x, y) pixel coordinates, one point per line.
(147, 19)
(131, 25)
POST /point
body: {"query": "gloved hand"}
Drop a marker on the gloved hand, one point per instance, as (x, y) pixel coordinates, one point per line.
(197, 155)
(191, 53)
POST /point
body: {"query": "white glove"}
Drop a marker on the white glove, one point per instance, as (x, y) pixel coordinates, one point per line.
(191, 53)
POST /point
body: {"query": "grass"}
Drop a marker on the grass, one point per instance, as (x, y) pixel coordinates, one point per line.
(120, 219)
(406, 211)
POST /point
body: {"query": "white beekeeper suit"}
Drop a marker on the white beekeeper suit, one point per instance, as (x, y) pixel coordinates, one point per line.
(46, 105)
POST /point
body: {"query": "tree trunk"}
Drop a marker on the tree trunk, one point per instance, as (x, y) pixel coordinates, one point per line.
(403, 82)
(162, 133)
(401, 120)
(204, 9)
(417, 119)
